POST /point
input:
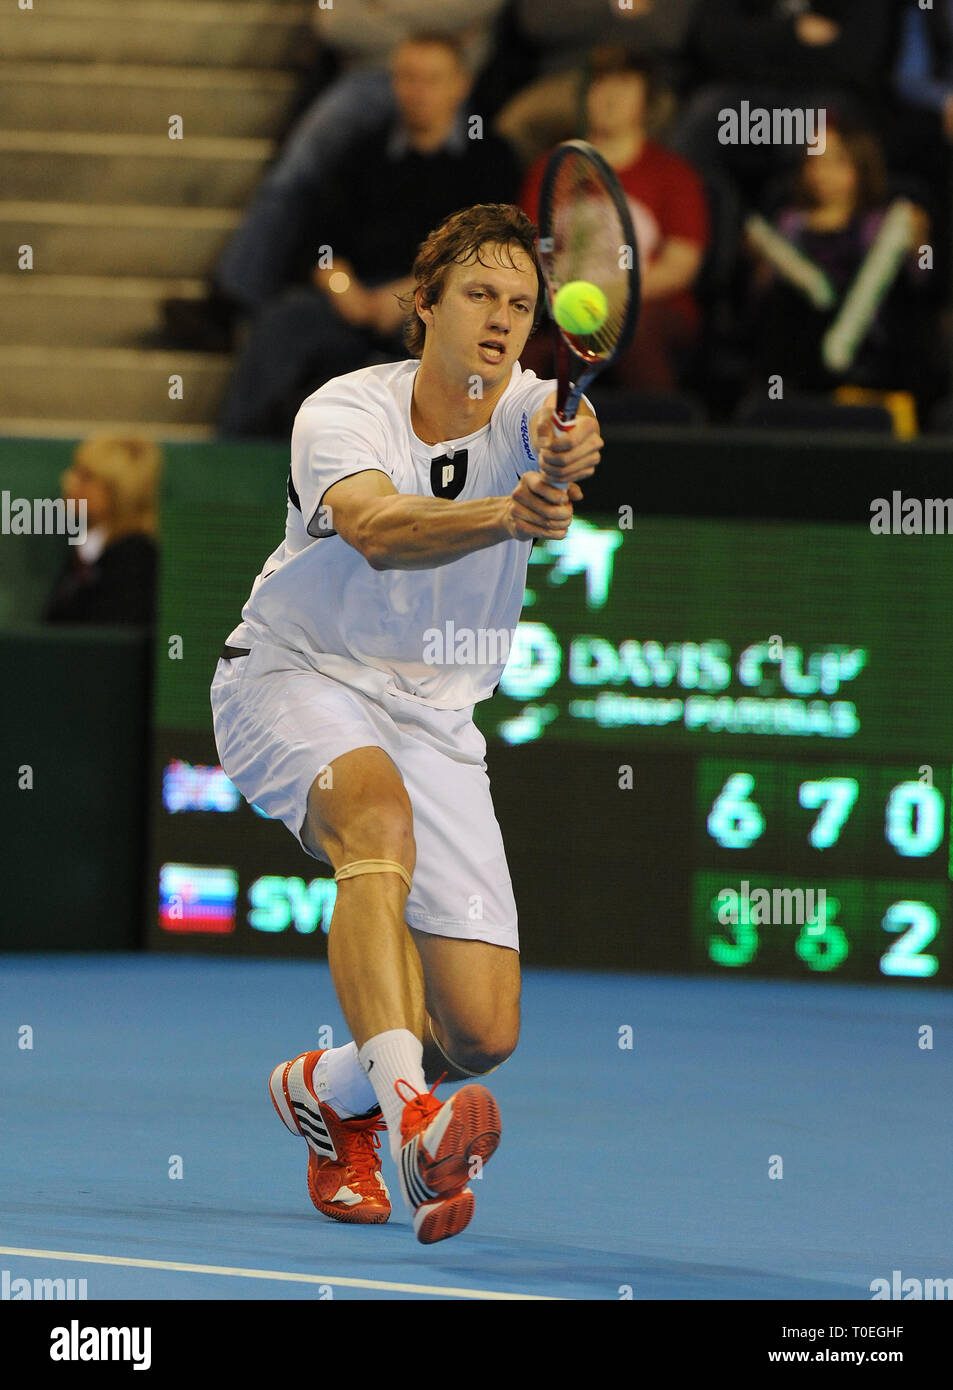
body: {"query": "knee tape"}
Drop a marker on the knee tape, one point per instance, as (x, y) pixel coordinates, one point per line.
(452, 1063)
(372, 866)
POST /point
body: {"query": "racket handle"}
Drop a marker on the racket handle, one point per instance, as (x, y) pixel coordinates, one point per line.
(564, 427)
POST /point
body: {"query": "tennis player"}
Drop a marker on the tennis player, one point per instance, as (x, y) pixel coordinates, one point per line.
(343, 707)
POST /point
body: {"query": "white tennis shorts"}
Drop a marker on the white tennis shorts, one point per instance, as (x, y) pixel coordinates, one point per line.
(278, 723)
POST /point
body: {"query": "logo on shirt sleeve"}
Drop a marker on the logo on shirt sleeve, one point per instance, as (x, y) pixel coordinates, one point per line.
(448, 473)
(524, 435)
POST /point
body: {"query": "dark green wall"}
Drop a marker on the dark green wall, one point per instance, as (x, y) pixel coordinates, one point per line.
(75, 709)
(29, 564)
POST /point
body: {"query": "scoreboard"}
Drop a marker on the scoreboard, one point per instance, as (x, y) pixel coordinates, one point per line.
(744, 729)
(865, 866)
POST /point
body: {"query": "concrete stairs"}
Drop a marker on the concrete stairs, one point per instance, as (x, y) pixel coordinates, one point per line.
(116, 215)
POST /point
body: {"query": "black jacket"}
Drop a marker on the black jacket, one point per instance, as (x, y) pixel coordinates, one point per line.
(119, 587)
(755, 41)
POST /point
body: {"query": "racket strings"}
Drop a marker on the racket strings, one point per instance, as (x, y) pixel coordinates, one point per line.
(589, 242)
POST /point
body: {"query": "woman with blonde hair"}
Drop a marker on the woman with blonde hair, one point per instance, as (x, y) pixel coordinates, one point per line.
(111, 576)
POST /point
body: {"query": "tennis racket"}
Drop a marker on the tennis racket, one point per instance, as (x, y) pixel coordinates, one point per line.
(586, 233)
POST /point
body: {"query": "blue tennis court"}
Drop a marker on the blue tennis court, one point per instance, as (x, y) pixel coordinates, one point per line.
(635, 1171)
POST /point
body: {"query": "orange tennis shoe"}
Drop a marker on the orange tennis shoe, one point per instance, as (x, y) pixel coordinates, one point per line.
(344, 1166)
(439, 1144)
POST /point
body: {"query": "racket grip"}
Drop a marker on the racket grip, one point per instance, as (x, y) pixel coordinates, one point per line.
(564, 427)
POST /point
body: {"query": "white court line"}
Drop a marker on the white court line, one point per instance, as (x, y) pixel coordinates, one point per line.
(435, 1289)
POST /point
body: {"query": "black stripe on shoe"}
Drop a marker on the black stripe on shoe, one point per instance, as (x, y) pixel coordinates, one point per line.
(416, 1188)
(315, 1130)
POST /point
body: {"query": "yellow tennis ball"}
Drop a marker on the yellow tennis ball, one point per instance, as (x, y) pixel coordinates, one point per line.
(580, 307)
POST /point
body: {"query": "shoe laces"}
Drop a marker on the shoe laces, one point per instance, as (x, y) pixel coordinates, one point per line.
(363, 1156)
(422, 1103)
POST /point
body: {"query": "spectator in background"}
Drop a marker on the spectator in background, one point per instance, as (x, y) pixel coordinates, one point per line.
(111, 576)
(388, 194)
(838, 209)
(669, 214)
(255, 263)
(544, 41)
(924, 73)
(919, 128)
(777, 54)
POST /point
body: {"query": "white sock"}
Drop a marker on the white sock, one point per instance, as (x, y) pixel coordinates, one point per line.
(386, 1058)
(341, 1082)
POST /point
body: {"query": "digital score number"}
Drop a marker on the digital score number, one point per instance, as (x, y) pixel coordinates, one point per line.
(831, 869)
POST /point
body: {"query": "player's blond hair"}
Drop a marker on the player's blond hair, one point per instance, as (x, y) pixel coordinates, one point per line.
(454, 242)
(131, 466)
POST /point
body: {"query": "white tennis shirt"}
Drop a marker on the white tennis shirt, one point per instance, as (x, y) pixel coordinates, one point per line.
(439, 636)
